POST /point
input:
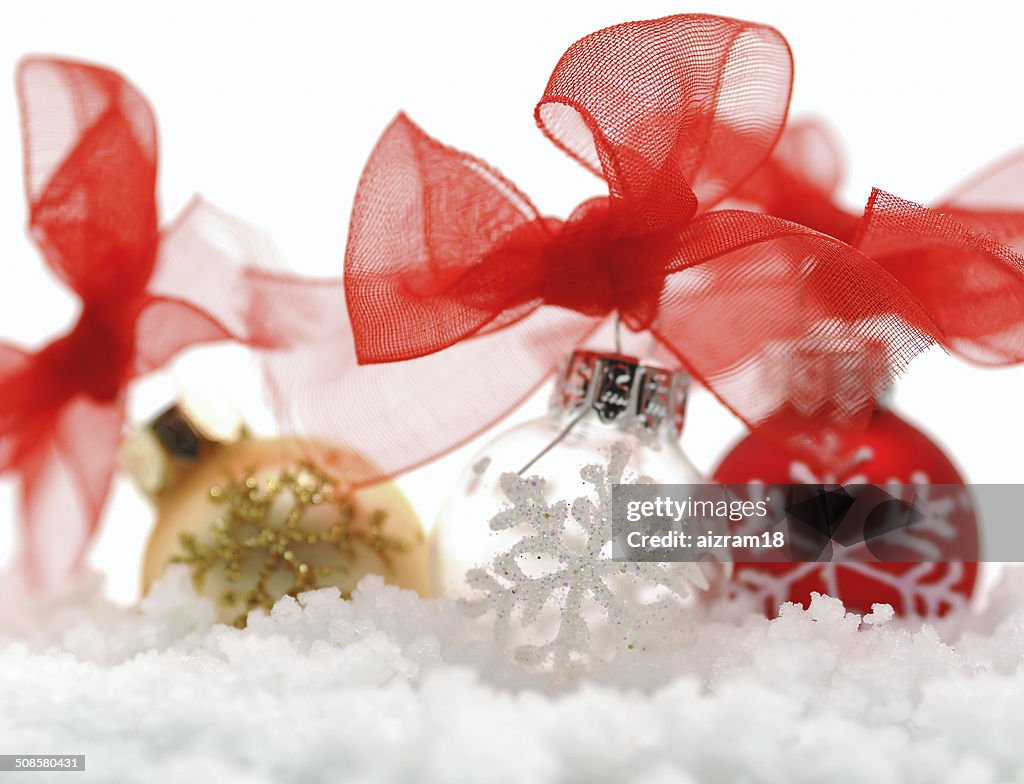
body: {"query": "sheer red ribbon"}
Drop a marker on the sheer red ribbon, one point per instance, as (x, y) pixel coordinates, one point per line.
(90, 168)
(961, 258)
(463, 298)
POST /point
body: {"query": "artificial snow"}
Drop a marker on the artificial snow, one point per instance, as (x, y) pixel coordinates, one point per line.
(389, 687)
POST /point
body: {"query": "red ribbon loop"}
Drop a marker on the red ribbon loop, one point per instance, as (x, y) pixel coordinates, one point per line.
(659, 109)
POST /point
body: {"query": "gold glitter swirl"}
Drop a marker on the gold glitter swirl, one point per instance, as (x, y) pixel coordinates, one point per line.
(262, 559)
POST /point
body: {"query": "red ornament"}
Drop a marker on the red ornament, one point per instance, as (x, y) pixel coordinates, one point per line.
(892, 452)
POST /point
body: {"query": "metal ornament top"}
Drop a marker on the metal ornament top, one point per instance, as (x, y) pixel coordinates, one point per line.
(622, 390)
(176, 439)
(818, 375)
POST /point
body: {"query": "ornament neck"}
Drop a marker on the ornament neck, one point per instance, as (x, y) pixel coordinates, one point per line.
(818, 377)
(623, 392)
(161, 454)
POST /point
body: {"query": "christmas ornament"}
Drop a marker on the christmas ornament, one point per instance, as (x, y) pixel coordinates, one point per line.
(962, 258)
(463, 297)
(90, 171)
(889, 452)
(254, 520)
(527, 536)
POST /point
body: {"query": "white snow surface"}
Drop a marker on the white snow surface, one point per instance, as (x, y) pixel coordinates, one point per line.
(389, 687)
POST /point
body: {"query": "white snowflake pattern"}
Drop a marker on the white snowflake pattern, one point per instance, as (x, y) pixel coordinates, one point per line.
(558, 599)
(924, 589)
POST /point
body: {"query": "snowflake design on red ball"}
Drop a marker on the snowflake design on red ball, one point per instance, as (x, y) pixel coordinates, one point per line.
(557, 599)
(925, 588)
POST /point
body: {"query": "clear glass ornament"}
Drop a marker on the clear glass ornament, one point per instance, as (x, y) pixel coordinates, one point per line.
(527, 531)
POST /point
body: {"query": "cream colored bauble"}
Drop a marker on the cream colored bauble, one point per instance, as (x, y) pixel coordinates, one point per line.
(255, 520)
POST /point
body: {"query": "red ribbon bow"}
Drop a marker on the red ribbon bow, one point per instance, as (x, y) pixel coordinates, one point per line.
(463, 297)
(962, 258)
(90, 167)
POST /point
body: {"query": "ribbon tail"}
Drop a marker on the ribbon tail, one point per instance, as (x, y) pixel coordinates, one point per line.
(65, 480)
(367, 423)
(767, 287)
(13, 364)
(165, 327)
(997, 188)
(959, 265)
(992, 203)
(207, 244)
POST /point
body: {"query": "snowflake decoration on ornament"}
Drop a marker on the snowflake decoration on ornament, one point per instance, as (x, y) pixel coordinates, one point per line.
(927, 585)
(848, 475)
(558, 599)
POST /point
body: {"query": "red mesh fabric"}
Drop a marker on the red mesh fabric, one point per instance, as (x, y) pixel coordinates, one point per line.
(799, 182)
(972, 284)
(997, 190)
(673, 113)
(462, 297)
(395, 417)
(90, 164)
(962, 258)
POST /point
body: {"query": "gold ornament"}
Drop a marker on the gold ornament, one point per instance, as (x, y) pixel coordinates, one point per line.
(254, 520)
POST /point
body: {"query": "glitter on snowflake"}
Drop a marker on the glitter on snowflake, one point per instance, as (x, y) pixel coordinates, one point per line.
(557, 599)
(261, 557)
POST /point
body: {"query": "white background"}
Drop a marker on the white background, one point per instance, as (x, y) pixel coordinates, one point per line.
(269, 110)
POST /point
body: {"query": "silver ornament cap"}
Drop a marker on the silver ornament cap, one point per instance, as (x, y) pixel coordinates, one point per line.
(176, 439)
(623, 391)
